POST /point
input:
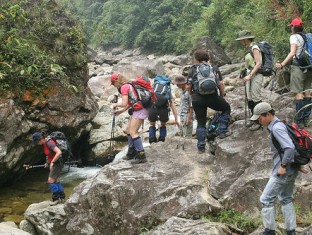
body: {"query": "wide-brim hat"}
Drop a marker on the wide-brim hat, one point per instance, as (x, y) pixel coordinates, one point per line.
(244, 34)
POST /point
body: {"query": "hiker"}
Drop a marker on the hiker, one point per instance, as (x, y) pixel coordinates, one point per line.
(55, 163)
(282, 180)
(136, 151)
(201, 102)
(186, 109)
(161, 109)
(300, 80)
(253, 79)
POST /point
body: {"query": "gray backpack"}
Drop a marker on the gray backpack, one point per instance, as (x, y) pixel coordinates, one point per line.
(205, 81)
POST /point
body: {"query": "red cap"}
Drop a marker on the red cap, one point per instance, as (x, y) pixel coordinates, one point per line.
(114, 77)
(296, 22)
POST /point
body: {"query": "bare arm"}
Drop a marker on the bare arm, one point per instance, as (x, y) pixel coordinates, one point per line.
(257, 56)
(174, 110)
(221, 88)
(123, 105)
(289, 57)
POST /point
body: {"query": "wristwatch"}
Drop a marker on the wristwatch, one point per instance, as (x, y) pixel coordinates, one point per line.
(284, 165)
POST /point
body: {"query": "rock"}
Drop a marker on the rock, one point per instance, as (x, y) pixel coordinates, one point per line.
(180, 226)
(26, 226)
(11, 228)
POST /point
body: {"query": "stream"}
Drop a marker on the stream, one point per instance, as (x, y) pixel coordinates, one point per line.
(33, 188)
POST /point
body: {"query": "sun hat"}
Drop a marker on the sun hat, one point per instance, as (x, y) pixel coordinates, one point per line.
(114, 77)
(36, 137)
(296, 22)
(259, 109)
(179, 80)
(244, 34)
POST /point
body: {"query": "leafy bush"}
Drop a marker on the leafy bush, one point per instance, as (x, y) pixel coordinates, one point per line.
(37, 45)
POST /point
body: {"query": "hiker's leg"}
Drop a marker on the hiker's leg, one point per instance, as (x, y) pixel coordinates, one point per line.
(164, 118)
(286, 198)
(60, 190)
(297, 85)
(307, 110)
(152, 117)
(269, 194)
(201, 114)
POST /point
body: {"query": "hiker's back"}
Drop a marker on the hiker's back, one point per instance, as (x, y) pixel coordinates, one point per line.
(162, 90)
(204, 80)
(62, 143)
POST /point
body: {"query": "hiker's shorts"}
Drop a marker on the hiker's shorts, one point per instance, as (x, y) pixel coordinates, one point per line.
(140, 114)
(56, 170)
(161, 114)
(299, 80)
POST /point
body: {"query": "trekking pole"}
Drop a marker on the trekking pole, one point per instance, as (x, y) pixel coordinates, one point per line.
(111, 146)
(34, 166)
(246, 105)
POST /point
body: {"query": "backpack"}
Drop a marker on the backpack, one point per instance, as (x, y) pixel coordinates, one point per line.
(267, 54)
(212, 127)
(145, 95)
(162, 90)
(62, 143)
(204, 81)
(302, 141)
(305, 57)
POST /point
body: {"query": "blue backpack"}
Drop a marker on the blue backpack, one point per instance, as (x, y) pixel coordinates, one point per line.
(162, 90)
(305, 57)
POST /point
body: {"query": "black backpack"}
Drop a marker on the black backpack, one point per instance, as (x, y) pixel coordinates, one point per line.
(267, 67)
(62, 143)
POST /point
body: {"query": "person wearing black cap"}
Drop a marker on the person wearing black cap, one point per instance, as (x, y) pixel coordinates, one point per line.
(253, 79)
(300, 80)
(282, 180)
(53, 155)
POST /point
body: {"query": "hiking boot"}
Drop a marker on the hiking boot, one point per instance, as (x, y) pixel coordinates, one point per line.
(255, 127)
(201, 151)
(152, 140)
(268, 232)
(306, 122)
(224, 135)
(212, 147)
(130, 154)
(162, 139)
(290, 232)
(54, 202)
(139, 158)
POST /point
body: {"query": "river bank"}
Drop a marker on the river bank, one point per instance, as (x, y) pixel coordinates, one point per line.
(33, 188)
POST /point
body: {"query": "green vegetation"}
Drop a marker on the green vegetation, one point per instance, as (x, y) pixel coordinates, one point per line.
(38, 44)
(169, 26)
(235, 219)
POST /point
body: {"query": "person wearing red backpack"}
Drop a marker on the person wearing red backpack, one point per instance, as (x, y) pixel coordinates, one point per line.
(137, 112)
(282, 180)
(300, 79)
(55, 163)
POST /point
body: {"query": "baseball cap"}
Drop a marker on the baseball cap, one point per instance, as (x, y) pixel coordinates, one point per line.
(36, 137)
(296, 22)
(114, 77)
(259, 109)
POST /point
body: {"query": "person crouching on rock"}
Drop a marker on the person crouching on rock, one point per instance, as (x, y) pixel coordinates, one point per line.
(138, 114)
(55, 162)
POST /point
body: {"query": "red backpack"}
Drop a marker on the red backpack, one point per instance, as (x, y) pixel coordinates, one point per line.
(302, 141)
(145, 95)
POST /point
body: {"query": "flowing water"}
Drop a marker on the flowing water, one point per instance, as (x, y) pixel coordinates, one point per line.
(33, 188)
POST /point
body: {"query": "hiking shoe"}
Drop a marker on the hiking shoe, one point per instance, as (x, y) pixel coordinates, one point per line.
(290, 232)
(162, 139)
(212, 147)
(306, 122)
(268, 232)
(224, 135)
(201, 151)
(255, 127)
(54, 202)
(139, 158)
(152, 140)
(62, 200)
(130, 154)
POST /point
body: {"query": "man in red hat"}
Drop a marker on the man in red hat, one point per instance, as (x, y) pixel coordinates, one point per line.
(300, 79)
